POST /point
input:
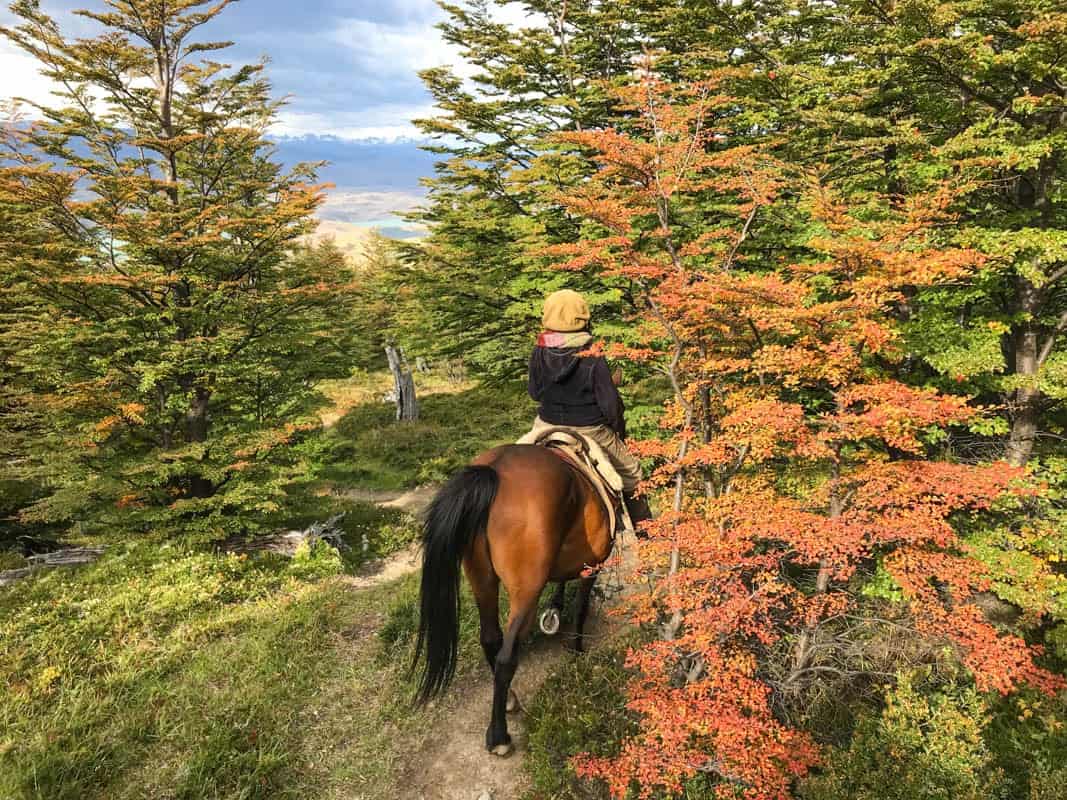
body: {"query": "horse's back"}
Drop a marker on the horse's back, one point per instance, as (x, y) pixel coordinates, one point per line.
(546, 522)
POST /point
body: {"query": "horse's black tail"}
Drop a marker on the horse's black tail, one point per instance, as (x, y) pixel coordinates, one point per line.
(458, 513)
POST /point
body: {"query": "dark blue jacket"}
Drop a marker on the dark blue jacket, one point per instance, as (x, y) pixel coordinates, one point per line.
(574, 389)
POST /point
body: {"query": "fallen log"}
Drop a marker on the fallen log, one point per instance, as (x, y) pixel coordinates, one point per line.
(57, 558)
(286, 542)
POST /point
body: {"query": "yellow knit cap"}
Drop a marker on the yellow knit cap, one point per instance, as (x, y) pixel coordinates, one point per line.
(565, 311)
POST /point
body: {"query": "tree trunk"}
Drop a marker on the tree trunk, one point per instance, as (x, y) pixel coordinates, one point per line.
(706, 423)
(1023, 427)
(1025, 346)
(196, 417)
(802, 650)
(1033, 191)
(196, 425)
(407, 407)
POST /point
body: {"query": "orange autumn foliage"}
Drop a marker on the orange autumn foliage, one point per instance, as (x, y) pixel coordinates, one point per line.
(793, 457)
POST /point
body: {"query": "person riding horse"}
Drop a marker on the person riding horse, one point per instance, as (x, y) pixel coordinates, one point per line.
(576, 390)
(520, 517)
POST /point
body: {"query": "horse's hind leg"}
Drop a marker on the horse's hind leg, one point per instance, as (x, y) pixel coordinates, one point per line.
(585, 589)
(485, 586)
(523, 611)
(486, 590)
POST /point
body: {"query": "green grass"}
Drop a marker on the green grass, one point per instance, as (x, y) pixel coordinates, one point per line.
(367, 447)
(579, 708)
(9, 559)
(176, 673)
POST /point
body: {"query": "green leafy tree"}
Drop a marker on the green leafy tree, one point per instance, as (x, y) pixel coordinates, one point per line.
(166, 331)
(896, 96)
(1001, 126)
(20, 422)
(387, 310)
(494, 200)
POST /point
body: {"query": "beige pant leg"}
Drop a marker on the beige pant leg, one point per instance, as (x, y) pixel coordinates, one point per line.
(539, 425)
(625, 463)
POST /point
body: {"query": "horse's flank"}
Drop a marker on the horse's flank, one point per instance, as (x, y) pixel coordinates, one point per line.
(546, 512)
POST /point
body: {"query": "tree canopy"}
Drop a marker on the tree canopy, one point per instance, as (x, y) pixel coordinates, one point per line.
(158, 327)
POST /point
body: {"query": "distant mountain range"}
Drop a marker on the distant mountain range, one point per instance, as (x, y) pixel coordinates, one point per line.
(373, 180)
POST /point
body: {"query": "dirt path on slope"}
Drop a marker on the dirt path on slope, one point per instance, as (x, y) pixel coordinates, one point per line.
(402, 562)
(452, 763)
(413, 501)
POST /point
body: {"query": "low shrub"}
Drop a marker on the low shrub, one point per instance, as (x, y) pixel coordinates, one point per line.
(316, 560)
(1027, 732)
(579, 708)
(924, 745)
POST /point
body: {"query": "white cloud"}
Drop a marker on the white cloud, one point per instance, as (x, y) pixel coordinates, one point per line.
(383, 122)
(390, 50)
(514, 15)
(393, 53)
(19, 77)
(387, 54)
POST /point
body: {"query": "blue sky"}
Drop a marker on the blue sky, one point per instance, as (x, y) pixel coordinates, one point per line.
(350, 68)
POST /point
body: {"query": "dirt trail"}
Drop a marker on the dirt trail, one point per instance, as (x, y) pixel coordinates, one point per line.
(383, 570)
(452, 763)
(414, 501)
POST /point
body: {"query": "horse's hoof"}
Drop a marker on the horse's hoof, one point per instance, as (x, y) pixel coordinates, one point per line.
(513, 702)
(501, 749)
(550, 621)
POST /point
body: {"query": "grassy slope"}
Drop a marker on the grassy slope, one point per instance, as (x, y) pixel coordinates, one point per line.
(194, 676)
(456, 423)
(167, 670)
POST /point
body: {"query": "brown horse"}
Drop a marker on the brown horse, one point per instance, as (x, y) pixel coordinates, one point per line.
(520, 515)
